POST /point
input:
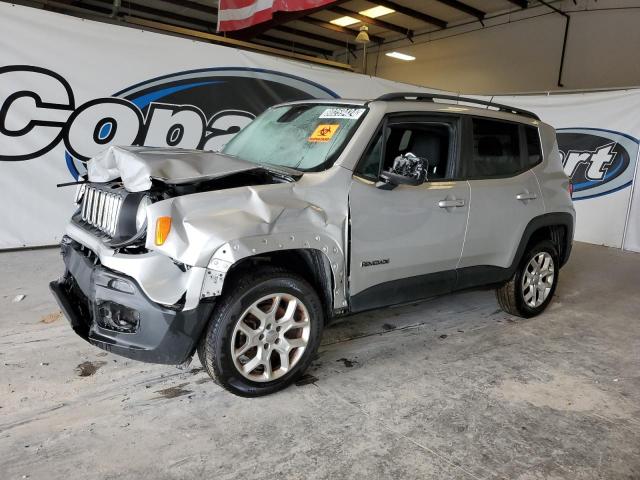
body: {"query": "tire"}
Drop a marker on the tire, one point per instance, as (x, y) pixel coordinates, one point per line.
(516, 298)
(263, 313)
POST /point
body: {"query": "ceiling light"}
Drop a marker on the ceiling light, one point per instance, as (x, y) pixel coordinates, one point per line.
(376, 12)
(363, 36)
(401, 56)
(344, 21)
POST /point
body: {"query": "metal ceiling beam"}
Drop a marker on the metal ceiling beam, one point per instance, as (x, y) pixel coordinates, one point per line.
(210, 27)
(410, 12)
(192, 5)
(313, 36)
(463, 7)
(232, 42)
(520, 3)
(338, 28)
(372, 21)
(103, 14)
(291, 45)
(207, 25)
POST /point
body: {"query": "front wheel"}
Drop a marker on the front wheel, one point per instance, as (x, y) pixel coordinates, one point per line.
(263, 333)
(532, 286)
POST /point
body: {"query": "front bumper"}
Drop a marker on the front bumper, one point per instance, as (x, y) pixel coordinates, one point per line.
(111, 311)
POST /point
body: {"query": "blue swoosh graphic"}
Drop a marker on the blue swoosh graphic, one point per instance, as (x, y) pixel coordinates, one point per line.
(145, 100)
(584, 185)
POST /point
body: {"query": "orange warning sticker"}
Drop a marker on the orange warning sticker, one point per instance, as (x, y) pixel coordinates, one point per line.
(323, 133)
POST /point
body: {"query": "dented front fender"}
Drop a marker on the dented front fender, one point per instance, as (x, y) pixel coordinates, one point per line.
(226, 226)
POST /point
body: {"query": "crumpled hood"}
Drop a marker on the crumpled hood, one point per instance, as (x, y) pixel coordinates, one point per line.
(138, 166)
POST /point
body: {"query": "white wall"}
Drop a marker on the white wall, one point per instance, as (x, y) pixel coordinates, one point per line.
(515, 54)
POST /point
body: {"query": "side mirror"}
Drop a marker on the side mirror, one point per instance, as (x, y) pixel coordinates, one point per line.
(391, 179)
(406, 170)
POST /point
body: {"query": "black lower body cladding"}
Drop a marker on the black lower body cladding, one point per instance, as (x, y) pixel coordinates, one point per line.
(111, 311)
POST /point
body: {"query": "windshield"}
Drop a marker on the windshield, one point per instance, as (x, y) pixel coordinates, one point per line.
(304, 137)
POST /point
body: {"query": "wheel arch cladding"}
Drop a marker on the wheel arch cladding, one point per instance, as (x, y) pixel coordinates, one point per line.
(556, 227)
(316, 257)
(311, 264)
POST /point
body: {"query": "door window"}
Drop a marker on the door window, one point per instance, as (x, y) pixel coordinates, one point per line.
(430, 142)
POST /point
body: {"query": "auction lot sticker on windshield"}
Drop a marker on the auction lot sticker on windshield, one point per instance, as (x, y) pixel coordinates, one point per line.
(323, 133)
(336, 112)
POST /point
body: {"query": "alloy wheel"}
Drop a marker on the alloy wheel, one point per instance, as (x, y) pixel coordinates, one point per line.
(270, 337)
(537, 279)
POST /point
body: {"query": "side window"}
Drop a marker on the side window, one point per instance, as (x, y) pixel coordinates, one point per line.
(496, 149)
(534, 151)
(428, 141)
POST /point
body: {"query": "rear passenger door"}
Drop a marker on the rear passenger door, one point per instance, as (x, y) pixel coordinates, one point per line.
(504, 194)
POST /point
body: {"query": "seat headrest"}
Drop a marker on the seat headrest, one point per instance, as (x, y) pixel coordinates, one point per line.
(426, 146)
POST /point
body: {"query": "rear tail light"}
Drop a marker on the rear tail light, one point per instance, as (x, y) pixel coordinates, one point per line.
(571, 189)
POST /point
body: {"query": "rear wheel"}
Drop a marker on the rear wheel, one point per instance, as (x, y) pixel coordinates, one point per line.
(532, 286)
(263, 333)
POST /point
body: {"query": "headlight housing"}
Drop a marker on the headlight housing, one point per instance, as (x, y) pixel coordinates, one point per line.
(141, 213)
(132, 225)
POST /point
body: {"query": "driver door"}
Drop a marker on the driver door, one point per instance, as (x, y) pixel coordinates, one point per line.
(406, 240)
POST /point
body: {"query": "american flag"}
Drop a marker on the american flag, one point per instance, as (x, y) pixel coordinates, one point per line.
(239, 14)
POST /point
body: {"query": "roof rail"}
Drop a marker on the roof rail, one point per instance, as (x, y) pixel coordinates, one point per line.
(430, 97)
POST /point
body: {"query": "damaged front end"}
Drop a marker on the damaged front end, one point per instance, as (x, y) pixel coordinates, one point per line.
(111, 311)
(125, 181)
(148, 297)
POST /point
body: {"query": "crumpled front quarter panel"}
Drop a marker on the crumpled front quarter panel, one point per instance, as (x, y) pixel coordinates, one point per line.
(203, 222)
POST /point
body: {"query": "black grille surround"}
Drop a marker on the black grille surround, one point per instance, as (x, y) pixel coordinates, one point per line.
(108, 211)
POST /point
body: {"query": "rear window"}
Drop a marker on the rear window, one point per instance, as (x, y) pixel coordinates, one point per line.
(496, 149)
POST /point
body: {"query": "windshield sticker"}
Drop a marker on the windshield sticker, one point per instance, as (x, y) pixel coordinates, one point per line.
(334, 112)
(323, 133)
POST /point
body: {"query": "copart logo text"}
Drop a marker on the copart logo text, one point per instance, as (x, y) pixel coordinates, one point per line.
(597, 161)
(199, 109)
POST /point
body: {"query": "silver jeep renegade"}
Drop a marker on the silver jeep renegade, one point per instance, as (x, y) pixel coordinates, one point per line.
(317, 209)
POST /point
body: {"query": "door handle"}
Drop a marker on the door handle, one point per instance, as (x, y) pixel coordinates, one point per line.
(451, 203)
(526, 196)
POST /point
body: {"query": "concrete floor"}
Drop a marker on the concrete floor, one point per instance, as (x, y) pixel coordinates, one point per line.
(449, 389)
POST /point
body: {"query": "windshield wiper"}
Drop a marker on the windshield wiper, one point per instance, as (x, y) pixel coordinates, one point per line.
(288, 172)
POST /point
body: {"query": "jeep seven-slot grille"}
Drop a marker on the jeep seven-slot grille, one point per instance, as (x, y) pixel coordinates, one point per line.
(100, 209)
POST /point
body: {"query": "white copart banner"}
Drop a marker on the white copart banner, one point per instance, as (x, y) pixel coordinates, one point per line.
(97, 60)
